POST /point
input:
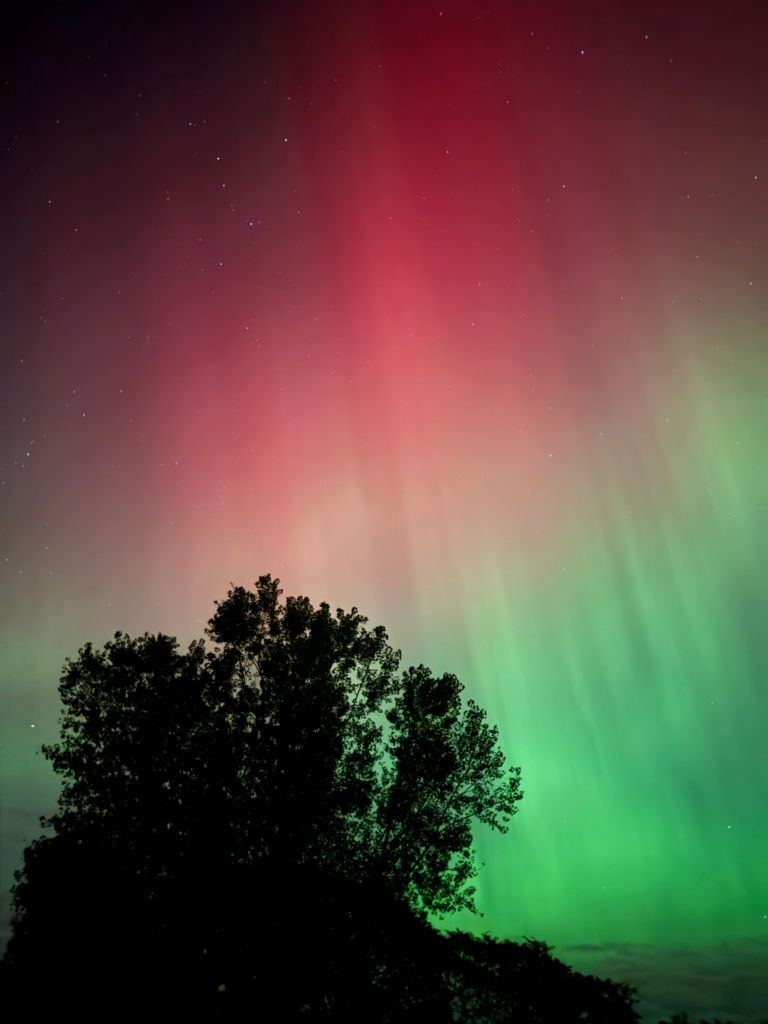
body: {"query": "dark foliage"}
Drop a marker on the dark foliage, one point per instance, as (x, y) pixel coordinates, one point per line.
(262, 829)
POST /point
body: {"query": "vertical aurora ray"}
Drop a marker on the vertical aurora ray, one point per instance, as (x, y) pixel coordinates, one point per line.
(436, 315)
(633, 673)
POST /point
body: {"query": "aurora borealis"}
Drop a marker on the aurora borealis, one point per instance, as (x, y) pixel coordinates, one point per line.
(456, 312)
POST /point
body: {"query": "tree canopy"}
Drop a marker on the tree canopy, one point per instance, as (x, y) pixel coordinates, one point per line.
(271, 820)
(295, 739)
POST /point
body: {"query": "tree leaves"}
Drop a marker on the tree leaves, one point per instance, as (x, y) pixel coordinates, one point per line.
(268, 824)
(294, 738)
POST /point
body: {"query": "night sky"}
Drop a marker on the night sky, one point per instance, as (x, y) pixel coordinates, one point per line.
(453, 311)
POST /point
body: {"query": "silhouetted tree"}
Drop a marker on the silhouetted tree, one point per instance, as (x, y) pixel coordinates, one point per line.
(267, 825)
